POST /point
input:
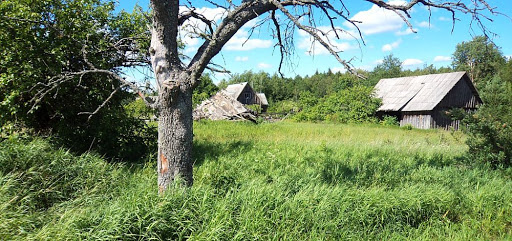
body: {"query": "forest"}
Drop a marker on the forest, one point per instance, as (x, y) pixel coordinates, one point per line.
(78, 145)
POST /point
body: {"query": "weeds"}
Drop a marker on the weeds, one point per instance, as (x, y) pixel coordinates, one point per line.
(281, 181)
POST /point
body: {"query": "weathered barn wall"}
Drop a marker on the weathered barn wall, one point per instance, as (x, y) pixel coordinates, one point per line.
(461, 96)
(420, 120)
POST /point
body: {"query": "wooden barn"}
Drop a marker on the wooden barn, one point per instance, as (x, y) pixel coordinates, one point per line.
(424, 101)
(246, 95)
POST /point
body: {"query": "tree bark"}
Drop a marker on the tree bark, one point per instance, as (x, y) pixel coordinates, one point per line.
(175, 97)
(175, 136)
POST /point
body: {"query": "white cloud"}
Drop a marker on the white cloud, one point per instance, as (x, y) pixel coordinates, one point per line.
(263, 65)
(313, 47)
(377, 20)
(425, 24)
(189, 29)
(241, 58)
(411, 62)
(190, 50)
(442, 59)
(366, 67)
(241, 42)
(391, 46)
(378, 61)
(444, 19)
(406, 32)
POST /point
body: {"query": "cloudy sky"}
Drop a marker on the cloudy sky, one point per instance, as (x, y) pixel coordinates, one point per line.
(383, 32)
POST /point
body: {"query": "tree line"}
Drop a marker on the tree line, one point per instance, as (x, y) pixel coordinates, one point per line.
(346, 98)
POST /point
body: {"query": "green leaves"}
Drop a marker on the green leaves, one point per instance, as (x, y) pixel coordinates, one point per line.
(352, 105)
(479, 57)
(42, 41)
(489, 129)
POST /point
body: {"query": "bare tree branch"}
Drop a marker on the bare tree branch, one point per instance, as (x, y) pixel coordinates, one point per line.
(91, 114)
(280, 43)
(314, 32)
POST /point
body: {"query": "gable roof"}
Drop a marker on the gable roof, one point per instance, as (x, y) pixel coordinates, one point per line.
(263, 98)
(235, 89)
(418, 93)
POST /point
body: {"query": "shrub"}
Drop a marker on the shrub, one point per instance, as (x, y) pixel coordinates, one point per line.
(407, 127)
(352, 105)
(255, 108)
(489, 131)
(284, 107)
(389, 121)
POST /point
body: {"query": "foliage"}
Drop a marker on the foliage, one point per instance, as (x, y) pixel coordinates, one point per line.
(277, 88)
(204, 90)
(255, 107)
(138, 109)
(389, 121)
(489, 129)
(284, 107)
(282, 181)
(480, 58)
(352, 105)
(391, 67)
(42, 40)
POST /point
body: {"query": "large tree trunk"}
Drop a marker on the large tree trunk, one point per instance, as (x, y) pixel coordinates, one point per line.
(175, 137)
(175, 97)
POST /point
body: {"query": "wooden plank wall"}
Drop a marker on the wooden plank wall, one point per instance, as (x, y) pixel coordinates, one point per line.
(460, 96)
(420, 120)
(428, 120)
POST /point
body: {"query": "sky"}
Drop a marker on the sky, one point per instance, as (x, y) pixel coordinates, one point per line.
(384, 33)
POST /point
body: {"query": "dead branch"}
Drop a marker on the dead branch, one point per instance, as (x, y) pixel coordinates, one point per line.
(314, 32)
(91, 114)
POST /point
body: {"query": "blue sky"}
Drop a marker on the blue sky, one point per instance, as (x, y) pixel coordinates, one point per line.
(384, 33)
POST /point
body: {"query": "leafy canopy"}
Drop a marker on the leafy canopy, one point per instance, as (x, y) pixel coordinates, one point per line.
(42, 41)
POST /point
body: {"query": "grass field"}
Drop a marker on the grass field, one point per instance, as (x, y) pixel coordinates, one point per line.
(279, 181)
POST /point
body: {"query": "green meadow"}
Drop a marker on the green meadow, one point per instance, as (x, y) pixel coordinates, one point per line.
(271, 181)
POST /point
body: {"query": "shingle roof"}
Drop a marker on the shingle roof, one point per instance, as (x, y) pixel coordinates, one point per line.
(415, 93)
(235, 89)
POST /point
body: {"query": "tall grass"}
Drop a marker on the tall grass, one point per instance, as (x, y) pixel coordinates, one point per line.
(281, 181)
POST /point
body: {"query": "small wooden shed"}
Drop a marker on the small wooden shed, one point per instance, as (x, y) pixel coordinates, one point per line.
(244, 93)
(424, 101)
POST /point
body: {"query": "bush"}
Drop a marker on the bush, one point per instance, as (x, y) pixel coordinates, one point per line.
(352, 105)
(38, 55)
(283, 107)
(255, 108)
(489, 131)
(389, 121)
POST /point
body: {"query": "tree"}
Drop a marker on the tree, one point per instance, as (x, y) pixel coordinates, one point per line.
(490, 128)
(47, 48)
(480, 58)
(391, 67)
(176, 79)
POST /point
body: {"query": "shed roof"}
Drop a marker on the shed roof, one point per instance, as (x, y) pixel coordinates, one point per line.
(417, 93)
(235, 89)
(263, 98)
